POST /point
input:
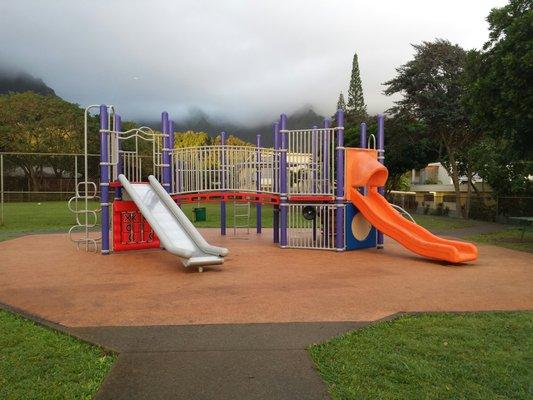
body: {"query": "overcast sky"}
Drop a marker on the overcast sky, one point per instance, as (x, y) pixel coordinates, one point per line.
(246, 61)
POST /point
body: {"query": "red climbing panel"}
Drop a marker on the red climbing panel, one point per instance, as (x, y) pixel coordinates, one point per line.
(130, 230)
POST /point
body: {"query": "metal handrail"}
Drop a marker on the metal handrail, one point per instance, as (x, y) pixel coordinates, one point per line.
(404, 213)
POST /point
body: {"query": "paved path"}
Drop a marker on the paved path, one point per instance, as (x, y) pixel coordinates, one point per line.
(251, 361)
(196, 362)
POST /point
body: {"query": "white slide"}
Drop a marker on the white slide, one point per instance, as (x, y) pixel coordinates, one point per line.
(176, 233)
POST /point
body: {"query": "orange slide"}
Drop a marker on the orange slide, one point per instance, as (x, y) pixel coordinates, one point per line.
(363, 170)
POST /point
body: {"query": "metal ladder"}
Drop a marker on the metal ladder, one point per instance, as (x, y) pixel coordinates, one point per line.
(241, 210)
(86, 218)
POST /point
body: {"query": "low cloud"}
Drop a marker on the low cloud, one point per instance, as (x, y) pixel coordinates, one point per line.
(236, 60)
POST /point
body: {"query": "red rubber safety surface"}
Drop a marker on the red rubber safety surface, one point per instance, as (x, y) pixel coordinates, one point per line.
(259, 282)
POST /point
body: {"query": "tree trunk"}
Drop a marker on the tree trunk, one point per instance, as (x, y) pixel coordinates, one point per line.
(454, 174)
(468, 192)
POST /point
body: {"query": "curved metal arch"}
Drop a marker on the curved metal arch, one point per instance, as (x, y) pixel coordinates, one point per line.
(403, 212)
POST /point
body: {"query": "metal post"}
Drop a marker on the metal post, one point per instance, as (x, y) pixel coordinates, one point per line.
(258, 206)
(120, 163)
(339, 193)
(166, 159)
(314, 158)
(381, 159)
(363, 143)
(326, 156)
(223, 182)
(362, 137)
(283, 180)
(275, 183)
(172, 183)
(104, 177)
(2, 189)
(326, 185)
(314, 176)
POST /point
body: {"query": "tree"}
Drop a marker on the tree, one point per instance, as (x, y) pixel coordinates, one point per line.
(356, 107)
(341, 104)
(432, 85)
(408, 147)
(499, 98)
(190, 139)
(37, 123)
(232, 140)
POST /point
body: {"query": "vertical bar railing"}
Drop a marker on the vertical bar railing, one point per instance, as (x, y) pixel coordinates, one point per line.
(104, 177)
(339, 193)
(120, 162)
(326, 156)
(165, 152)
(170, 153)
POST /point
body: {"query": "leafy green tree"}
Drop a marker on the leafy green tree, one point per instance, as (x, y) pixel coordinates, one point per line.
(232, 140)
(499, 99)
(191, 139)
(356, 107)
(36, 123)
(408, 147)
(432, 85)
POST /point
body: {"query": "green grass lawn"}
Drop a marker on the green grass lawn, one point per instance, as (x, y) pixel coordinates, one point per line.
(49, 216)
(54, 216)
(510, 238)
(433, 222)
(25, 218)
(38, 363)
(432, 356)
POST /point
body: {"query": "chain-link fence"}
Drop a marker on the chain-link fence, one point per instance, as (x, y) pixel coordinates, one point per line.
(27, 178)
(479, 206)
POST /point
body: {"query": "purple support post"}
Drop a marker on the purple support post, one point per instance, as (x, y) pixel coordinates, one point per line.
(325, 156)
(314, 157)
(362, 137)
(339, 193)
(275, 182)
(120, 164)
(104, 177)
(283, 180)
(223, 182)
(363, 144)
(381, 159)
(166, 159)
(258, 206)
(314, 165)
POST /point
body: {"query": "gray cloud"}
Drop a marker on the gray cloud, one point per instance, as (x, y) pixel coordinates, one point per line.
(245, 61)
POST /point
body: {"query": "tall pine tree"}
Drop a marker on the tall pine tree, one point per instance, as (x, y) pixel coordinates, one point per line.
(356, 107)
(341, 104)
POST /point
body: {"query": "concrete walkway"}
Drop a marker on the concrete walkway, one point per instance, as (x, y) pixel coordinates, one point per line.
(197, 362)
(251, 361)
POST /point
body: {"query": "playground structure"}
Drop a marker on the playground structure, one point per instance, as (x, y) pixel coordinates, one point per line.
(324, 196)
